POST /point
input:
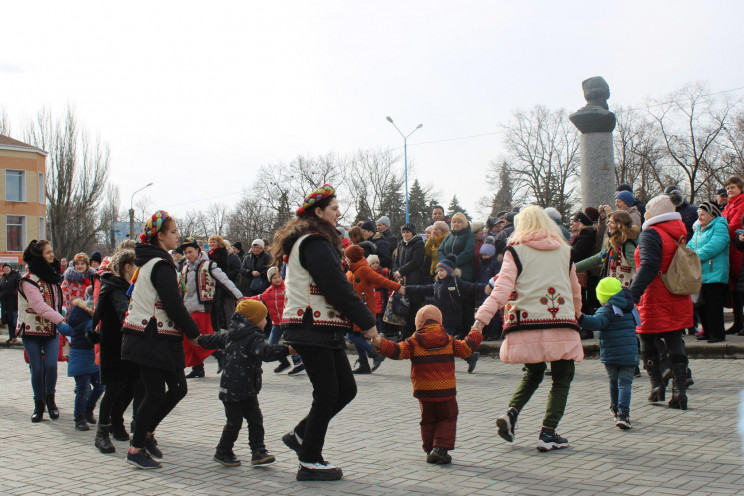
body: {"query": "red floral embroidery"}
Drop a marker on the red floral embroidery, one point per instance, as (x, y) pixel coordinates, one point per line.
(553, 301)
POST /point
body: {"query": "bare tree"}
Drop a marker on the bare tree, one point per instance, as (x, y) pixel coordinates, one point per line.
(143, 208)
(110, 213)
(4, 122)
(733, 144)
(370, 174)
(543, 150)
(691, 122)
(216, 219)
(77, 172)
(250, 219)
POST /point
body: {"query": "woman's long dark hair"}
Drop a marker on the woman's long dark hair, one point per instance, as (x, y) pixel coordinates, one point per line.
(47, 272)
(307, 223)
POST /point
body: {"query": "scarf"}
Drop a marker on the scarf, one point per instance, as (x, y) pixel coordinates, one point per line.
(47, 272)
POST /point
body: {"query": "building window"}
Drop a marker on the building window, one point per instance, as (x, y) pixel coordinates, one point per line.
(42, 228)
(15, 185)
(15, 237)
(42, 189)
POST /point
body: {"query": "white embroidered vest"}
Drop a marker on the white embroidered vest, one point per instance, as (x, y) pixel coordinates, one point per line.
(622, 271)
(542, 298)
(145, 304)
(303, 295)
(205, 283)
(29, 322)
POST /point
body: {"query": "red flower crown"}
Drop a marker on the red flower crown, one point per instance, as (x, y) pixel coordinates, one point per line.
(315, 197)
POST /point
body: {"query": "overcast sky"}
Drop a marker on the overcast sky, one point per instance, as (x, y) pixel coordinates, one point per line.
(197, 96)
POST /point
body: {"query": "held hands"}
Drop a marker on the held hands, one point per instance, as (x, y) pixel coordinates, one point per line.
(488, 289)
(376, 341)
(195, 341)
(256, 273)
(371, 333)
(402, 290)
(741, 238)
(292, 351)
(397, 276)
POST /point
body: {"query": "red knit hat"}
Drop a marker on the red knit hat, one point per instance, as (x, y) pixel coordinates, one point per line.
(354, 253)
(428, 312)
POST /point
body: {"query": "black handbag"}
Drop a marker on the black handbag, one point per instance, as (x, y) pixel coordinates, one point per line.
(401, 305)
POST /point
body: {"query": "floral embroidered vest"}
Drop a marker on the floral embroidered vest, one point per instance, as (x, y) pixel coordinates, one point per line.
(542, 298)
(619, 268)
(29, 322)
(145, 305)
(303, 295)
(205, 283)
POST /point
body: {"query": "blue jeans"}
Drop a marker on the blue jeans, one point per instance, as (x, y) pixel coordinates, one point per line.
(621, 385)
(85, 399)
(361, 345)
(43, 371)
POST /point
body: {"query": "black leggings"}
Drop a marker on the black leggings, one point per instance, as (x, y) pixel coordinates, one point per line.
(333, 388)
(156, 403)
(115, 401)
(672, 341)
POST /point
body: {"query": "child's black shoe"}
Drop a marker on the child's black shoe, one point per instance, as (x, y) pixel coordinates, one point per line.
(623, 421)
(438, 456)
(81, 424)
(262, 457)
(142, 460)
(226, 459)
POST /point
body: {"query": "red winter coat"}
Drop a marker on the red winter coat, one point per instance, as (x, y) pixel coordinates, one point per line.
(733, 211)
(363, 279)
(381, 295)
(274, 298)
(662, 311)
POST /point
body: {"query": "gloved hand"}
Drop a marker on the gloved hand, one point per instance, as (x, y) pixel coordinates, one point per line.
(64, 329)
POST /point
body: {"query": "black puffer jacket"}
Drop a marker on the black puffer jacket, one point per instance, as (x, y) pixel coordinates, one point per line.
(583, 244)
(113, 303)
(245, 349)
(409, 261)
(9, 291)
(260, 264)
(150, 348)
(447, 294)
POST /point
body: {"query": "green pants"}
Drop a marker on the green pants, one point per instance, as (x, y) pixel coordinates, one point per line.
(562, 373)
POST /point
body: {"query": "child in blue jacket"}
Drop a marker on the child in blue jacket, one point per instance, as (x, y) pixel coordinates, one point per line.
(616, 322)
(82, 364)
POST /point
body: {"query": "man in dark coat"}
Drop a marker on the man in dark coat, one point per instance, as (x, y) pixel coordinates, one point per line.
(255, 264)
(383, 249)
(408, 268)
(9, 299)
(383, 227)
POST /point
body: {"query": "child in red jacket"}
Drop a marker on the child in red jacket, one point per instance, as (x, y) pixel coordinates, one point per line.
(381, 294)
(274, 299)
(432, 353)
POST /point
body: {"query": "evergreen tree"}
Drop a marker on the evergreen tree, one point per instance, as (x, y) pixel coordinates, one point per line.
(502, 200)
(363, 211)
(283, 211)
(455, 207)
(418, 210)
(393, 205)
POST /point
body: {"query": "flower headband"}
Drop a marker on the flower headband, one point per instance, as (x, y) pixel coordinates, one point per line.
(154, 225)
(315, 197)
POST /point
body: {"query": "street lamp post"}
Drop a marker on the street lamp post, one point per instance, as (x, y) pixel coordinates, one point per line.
(405, 155)
(131, 211)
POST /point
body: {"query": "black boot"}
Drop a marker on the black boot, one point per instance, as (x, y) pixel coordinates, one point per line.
(679, 388)
(196, 372)
(89, 417)
(377, 359)
(119, 432)
(658, 390)
(103, 442)
(81, 424)
(52, 407)
(38, 415)
(363, 367)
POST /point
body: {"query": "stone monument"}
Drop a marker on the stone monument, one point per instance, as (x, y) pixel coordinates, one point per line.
(596, 123)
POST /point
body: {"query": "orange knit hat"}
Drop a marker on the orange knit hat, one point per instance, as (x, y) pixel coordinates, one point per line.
(428, 312)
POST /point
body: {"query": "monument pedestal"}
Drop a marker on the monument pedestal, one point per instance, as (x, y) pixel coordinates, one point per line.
(597, 169)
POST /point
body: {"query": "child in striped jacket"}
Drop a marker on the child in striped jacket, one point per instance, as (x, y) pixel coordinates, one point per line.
(432, 353)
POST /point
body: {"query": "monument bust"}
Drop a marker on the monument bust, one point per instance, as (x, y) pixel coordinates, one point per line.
(595, 117)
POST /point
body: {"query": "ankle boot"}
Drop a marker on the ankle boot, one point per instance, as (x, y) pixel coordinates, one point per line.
(103, 442)
(363, 367)
(196, 372)
(89, 417)
(119, 432)
(38, 411)
(679, 387)
(658, 390)
(52, 407)
(377, 359)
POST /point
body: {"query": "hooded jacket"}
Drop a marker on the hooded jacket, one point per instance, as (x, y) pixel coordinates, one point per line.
(661, 311)
(110, 310)
(245, 349)
(432, 353)
(616, 323)
(447, 296)
(82, 359)
(364, 279)
(461, 244)
(274, 298)
(711, 244)
(149, 347)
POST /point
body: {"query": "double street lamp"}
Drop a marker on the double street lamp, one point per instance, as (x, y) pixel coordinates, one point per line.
(131, 211)
(405, 155)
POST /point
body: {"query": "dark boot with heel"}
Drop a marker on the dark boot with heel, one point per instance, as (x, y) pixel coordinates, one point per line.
(52, 407)
(658, 391)
(103, 441)
(679, 386)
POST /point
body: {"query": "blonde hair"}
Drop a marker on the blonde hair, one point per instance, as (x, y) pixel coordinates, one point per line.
(461, 216)
(120, 259)
(219, 239)
(533, 220)
(442, 226)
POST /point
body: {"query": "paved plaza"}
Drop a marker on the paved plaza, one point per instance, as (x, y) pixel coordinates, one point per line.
(376, 440)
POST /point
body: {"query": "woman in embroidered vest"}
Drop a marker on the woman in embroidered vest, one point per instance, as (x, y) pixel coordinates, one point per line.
(39, 318)
(541, 297)
(201, 279)
(664, 316)
(152, 335)
(320, 307)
